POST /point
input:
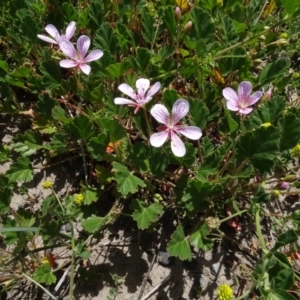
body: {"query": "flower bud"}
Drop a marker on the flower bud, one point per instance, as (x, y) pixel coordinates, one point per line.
(283, 185)
(284, 35)
(262, 37)
(281, 42)
(177, 14)
(290, 178)
(188, 27)
(266, 96)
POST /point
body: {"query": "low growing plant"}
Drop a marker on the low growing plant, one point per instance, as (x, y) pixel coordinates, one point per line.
(171, 106)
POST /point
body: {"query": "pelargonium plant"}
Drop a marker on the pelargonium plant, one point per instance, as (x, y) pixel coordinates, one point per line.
(187, 127)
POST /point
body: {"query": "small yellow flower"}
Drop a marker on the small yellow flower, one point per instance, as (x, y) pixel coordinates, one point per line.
(224, 292)
(47, 184)
(296, 75)
(296, 151)
(284, 35)
(78, 198)
(276, 192)
(266, 125)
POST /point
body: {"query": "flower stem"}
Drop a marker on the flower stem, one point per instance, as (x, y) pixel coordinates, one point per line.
(147, 122)
(72, 275)
(259, 232)
(248, 39)
(234, 215)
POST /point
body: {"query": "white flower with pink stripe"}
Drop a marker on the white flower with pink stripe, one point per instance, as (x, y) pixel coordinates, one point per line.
(79, 57)
(171, 127)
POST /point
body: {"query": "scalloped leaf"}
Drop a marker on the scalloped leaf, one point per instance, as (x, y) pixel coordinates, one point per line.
(260, 146)
(178, 245)
(145, 214)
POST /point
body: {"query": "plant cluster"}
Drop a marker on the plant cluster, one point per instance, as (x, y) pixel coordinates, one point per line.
(174, 106)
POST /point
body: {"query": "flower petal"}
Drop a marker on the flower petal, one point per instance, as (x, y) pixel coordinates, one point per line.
(86, 69)
(127, 90)
(124, 101)
(94, 55)
(46, 39)
(192, 132)
(244, 89)
(70, 30)
(233, 106)
(179, 110)
(230, 94)
(68, 49)
(154, 89)
(159, 138)
(160, 114)
(255, 97)
(67, 63)
(51, 29)
(177, 145)
(83, 45)
(245, 111)
(142, 86)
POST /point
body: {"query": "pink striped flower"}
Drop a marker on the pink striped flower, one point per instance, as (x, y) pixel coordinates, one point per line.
(139, 99)
(172, 127)
(79, 57)
(241, 100)
(56, 37)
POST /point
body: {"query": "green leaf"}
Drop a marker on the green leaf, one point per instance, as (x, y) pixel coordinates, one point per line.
(5, 199)
(178, 245)
(198, 240)
(209, 167)
(93, 224)
(44, 106)
(149, 31)
(145, 214)
(207, 146)
(127, 182)
(290, 6)
(113, 128)
(81, 127)
(274, 70)
(105, 39)
(43, 274)
(90, 195)
(200, 30)
(29, 28)
(59, 114)
(284, 279)
(233, 125)
(168, 17)
(268, 112)
(27, 143)
(117, 70)
(3, 65)
(260, 146)
(20, 170)
(281, 295)
(141, 59)
(21, 72)
(166, 51)
(97, 146)
(52, 74)
(199, 112)
(290, 131)
(284, 239)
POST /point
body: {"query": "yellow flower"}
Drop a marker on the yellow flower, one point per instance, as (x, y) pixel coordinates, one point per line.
(183, 4)
(266, 125)
(296, 75)
(284, 35)
(296, 151)
(276, 192)
(47, 184)
(78, 198)
(224, 292)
